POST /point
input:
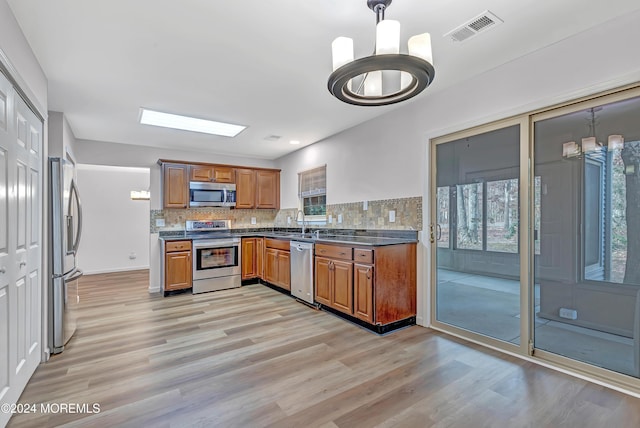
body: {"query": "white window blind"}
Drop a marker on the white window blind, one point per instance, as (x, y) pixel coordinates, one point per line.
(312, 191)
(312, 182)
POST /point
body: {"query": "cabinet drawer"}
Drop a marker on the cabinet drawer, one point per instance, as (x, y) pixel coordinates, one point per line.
(172, 246)
(279, 244)
(334, 251)
(362, 256)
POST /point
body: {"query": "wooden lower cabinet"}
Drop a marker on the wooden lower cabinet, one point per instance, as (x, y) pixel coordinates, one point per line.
(177, 265)
(363, 292)
(322, 281)
(284, 270)
(376, 284)
(271, 265)
(334, 284)
(252, 258)
(248, 252)
(342, 286)
(260, 257)
(277, 267)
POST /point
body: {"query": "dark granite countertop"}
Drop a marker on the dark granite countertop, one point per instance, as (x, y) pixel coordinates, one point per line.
(340, 236)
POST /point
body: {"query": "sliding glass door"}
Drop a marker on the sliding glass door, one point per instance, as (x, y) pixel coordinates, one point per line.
(535, 236)
(587, 157)
(477, 208)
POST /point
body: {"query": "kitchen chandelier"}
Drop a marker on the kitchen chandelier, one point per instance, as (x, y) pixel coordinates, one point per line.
(387, 76)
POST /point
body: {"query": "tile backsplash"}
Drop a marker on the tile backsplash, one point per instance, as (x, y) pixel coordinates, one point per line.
(174, 219)
(408, 216)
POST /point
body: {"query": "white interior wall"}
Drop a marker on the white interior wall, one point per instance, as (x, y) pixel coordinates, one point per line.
(387, 157)
(15, 48)
(115, 228)
(62, 141)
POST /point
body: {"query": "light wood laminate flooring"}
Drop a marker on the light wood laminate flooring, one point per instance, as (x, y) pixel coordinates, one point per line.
(252, 357)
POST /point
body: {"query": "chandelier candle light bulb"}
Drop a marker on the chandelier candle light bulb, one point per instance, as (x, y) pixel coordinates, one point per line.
(387, 76)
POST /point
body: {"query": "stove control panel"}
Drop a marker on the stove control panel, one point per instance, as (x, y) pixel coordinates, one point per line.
(205, 225)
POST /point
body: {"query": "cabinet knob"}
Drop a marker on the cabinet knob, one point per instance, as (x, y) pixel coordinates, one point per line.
(369, 273)
(342, 254)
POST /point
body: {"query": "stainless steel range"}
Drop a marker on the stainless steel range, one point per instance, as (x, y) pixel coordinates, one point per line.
(216, 258)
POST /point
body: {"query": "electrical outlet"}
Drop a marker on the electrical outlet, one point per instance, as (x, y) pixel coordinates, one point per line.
(133, 256)
(365, 205)
(392, 216)
(339, 218)
(253, 220)
(570, 314)
(159, 222)
(330, 219)
(288, 220)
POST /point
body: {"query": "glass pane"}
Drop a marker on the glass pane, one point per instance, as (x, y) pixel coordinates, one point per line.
(470, 225)
(502, 215)
(214, 258)
(442, 232)
(478, 289)
(588, 218)
(315, 205)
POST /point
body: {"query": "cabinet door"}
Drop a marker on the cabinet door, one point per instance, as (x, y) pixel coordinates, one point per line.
(322, 281)
(201, 173)
(177, 272)
(363, 292)
(342, 286)
(224, 174)
(175, 185)
(260, 257)
(284, 270)
(245, 188)
(267, 189)
(271, 265)
(248, 258)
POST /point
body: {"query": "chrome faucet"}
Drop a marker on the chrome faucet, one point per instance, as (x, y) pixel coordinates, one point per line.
(303, 223)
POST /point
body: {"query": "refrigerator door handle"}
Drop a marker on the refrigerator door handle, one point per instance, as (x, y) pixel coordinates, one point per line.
(74, 192)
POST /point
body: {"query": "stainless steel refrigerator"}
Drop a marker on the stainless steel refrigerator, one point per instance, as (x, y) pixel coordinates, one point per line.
(65, 225)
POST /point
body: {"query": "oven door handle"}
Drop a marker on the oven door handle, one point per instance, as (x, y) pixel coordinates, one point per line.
(218, 244)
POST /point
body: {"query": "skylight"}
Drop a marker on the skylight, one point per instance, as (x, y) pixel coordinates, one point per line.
(186, 123)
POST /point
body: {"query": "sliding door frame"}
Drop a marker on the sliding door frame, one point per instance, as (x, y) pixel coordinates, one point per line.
(524, 237)
(526, 348)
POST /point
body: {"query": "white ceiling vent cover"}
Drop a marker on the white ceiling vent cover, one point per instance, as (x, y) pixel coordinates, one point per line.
(483, 22)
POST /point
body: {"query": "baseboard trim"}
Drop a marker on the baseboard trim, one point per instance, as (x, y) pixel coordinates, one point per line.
(97, 272)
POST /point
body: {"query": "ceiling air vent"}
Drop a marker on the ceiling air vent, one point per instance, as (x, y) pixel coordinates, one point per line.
(272, 137)
(483, 22)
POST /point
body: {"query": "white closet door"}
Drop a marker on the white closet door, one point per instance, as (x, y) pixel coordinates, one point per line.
(20, 244)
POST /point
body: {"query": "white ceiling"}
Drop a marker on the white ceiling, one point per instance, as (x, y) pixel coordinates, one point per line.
(263, 64)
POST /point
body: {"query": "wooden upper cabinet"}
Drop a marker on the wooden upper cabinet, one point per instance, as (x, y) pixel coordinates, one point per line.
(267, 189)
(217, 174)
(245, 188)
(224, 174)
(175, 183)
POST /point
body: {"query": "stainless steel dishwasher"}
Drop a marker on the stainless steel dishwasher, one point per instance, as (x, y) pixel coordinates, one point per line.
(302, 270)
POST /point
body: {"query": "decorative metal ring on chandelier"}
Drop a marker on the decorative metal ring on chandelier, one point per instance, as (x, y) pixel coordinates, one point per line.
(387, 76)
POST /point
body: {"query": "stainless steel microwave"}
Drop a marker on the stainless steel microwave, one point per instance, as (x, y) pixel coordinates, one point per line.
(202, 194)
